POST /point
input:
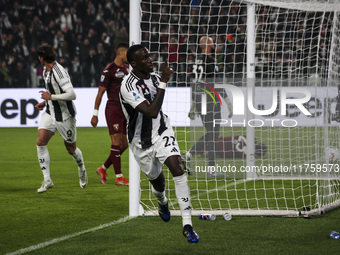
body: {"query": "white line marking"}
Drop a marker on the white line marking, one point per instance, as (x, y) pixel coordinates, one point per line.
(64, 238)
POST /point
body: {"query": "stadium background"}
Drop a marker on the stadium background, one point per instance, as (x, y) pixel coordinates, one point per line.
(84, 34)
(30, 219)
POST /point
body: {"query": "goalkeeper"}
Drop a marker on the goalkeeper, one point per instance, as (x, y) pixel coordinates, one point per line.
(205, 70)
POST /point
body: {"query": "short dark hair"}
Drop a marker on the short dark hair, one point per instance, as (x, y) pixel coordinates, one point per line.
(122, 45)
(130, 55)
(47, 52)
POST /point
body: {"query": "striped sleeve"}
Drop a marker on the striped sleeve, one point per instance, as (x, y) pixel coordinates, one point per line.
(62, 77)
(130, 93)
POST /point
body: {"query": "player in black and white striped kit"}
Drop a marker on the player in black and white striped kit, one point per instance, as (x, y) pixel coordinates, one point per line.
(150, 135)
(59, 115)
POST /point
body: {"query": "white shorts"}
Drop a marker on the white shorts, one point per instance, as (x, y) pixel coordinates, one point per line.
(67, 129)
(150, 160)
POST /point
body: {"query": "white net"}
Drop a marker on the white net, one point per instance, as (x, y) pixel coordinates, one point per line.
(296, 72)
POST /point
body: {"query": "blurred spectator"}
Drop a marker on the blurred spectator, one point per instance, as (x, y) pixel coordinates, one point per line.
(36, 31)
(79, 27)
(19, 76)
(66, 20)
(50, 32)
(92, 69)
(4, 75)
(76, 73)
(100, 23)
(5, 24)
(92, 36)
(25, 25)
(20, 31)
(84, 50)
(101, 55)
(60, 45)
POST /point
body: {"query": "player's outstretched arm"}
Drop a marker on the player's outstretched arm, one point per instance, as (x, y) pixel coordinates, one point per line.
(69, 95)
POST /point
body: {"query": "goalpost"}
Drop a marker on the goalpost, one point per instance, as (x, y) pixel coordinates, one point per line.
(282, 58)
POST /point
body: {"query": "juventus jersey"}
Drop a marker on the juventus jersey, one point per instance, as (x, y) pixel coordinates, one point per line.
(56, 82)
(143, 131)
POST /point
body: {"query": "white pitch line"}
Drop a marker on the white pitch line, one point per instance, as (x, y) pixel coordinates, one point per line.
(64, 238)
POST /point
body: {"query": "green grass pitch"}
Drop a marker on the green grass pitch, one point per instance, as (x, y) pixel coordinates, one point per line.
(75, 218)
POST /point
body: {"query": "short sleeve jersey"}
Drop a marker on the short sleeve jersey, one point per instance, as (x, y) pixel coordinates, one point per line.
(142, 130)
(57, 81)
(111, 79)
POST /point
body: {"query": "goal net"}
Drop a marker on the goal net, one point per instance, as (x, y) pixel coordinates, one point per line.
(259, 124)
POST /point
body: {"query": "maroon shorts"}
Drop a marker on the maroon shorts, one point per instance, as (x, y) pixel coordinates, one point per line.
(115, 119)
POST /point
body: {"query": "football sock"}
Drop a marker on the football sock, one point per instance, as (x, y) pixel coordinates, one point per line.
(162, 199)
(108, 162)
(115, 158)
(183, 196)
(44, 161)
(78, 158)
(121, 151)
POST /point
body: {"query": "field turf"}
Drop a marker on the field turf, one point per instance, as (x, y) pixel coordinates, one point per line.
(70, 220)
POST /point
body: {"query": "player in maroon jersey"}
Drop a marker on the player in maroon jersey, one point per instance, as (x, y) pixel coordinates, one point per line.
(110, 81)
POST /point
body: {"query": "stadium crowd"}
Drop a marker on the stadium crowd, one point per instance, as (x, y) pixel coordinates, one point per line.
(83, 32)
(288, 42)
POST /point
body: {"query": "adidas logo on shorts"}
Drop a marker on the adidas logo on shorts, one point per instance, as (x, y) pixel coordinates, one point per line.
(174, 149)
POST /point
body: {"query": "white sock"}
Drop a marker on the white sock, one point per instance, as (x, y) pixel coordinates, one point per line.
(78, 158)
(161, 197)
(104, 167)
(44, 161)
(119, 175)
(183, 196)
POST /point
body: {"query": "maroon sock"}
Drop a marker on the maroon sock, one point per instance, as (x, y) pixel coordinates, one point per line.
(121, 151)
(115, 158)
(108, 162)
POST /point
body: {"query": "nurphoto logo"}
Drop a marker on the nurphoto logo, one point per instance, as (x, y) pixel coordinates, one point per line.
(282, 99)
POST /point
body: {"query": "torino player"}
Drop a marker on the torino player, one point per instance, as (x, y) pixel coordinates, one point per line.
(110, 82)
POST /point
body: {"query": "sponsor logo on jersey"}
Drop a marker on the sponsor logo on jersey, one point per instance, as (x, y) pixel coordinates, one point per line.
(119, 74)
(102, 78)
